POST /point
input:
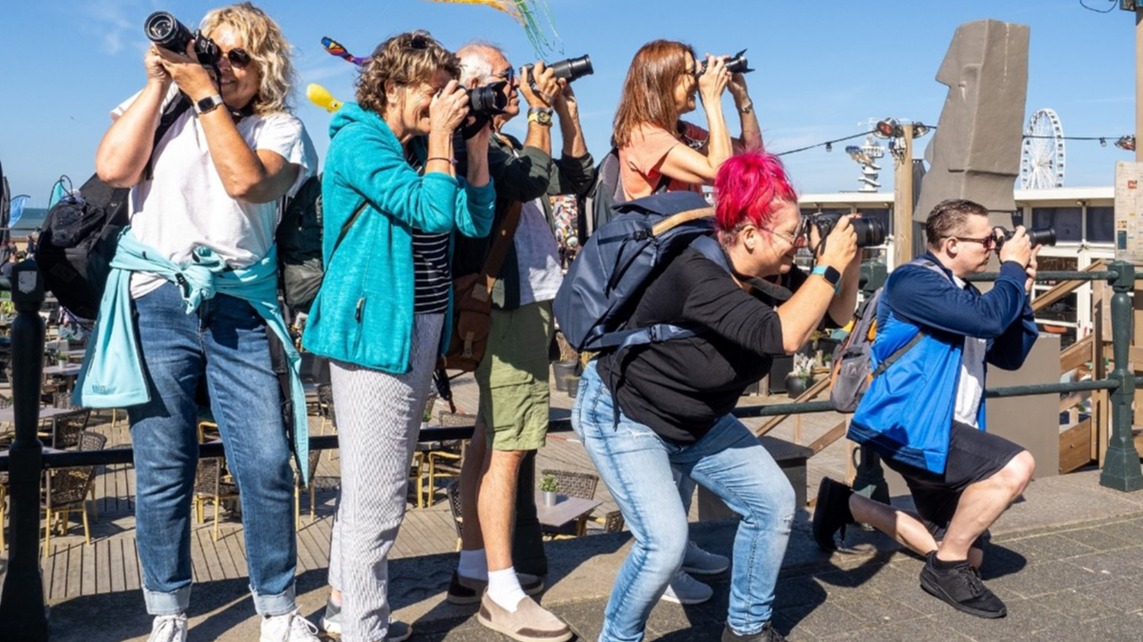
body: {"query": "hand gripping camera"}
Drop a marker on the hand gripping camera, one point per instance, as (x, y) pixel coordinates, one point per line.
(869, 231)
(166, 31)
(1044, 236)
(570, 69)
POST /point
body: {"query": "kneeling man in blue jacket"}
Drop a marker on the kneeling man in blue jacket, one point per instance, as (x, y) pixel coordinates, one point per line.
(925, 414)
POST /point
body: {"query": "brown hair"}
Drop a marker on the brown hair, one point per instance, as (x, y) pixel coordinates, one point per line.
(949, 216)
(266, 46)
(405, 59)
(649, 90)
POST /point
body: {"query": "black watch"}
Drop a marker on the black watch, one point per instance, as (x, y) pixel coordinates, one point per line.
(203, 105)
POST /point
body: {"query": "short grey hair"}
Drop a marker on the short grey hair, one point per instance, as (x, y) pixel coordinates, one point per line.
(475, 63)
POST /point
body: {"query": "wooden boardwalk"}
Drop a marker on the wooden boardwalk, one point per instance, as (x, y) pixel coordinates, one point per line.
(110, 564)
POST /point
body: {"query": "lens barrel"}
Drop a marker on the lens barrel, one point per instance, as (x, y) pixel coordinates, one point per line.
(166, 31)
(488, 100)
(572, 68)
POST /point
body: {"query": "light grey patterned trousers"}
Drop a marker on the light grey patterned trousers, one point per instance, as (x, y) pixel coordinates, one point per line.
(378, 422)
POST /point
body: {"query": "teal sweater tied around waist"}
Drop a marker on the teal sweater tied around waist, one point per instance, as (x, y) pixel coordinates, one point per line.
(112, 374)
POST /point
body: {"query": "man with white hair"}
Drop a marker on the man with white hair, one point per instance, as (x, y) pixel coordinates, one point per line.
(513, 376)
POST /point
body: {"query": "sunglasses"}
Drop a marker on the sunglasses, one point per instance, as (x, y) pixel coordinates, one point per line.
(987, 241)
(508, 75)
(238, 58)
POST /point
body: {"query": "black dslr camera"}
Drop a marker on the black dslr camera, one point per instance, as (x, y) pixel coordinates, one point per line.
(488, 100)
(570, 69)
(734, 64)
(869, 231)
(1044, 236)
(166, 31)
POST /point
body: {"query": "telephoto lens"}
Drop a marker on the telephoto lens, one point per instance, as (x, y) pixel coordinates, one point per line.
(869, 231)
(165, 30)
(1042, 236)
(488, 100)
(735, 64)
(572, 68)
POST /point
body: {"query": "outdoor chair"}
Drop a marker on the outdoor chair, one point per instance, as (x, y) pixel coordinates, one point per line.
(89, 440)
(212, 485)
(325, 408)
(312, 465)
(612, 522)
(452, 491)
(571, 484)
(66, 428)
(417, 470)
(67, 490)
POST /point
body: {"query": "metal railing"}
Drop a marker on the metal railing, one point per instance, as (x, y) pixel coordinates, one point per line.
(22, 612)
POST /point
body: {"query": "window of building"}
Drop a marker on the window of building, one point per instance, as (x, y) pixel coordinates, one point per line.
(1067, 221)
(1101, 224)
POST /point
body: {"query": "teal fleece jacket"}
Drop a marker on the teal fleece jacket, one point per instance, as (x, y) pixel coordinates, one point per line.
(363, 313)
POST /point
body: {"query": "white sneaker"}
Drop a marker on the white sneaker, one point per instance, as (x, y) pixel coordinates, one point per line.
(289, 627)
(700, 562)
(169, 628)
(685, 589)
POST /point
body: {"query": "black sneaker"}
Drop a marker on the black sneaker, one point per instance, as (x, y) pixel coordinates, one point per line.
(962, 588)
(767, 634)
(831, 513)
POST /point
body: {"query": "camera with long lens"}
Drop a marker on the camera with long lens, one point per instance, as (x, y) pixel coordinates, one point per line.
(735, 64)
(488, 100)
(1043, 236)
(166, 31)
(870, 232)
(570, 69)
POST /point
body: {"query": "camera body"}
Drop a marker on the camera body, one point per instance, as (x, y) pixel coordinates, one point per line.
(870, 232)
(1043, 236)
(734, 64)
(487, 100)
(166, 31)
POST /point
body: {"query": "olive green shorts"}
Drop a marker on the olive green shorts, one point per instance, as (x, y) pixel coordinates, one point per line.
(513, 377)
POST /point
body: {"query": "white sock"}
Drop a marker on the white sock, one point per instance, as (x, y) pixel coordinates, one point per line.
(504, 588)
(473, 565)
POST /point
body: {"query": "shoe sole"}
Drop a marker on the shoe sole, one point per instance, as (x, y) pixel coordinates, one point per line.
(938, 593)
(705, 571)
(469, 600)
(487, 623)
(824, 541)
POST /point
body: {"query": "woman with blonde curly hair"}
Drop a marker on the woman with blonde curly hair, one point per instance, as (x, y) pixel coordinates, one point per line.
(194, 289)
(392, 201)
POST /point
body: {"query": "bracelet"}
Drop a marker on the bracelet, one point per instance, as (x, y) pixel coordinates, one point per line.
(450, 161)
(831, 276)
(747, 108)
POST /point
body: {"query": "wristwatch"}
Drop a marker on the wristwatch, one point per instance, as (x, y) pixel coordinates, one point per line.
(203, 105)
(830, 274)
(540, 116)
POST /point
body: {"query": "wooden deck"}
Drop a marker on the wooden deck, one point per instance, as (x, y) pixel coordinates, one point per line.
(110, 564)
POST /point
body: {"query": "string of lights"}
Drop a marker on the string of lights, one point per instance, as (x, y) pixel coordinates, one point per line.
(1123, 142)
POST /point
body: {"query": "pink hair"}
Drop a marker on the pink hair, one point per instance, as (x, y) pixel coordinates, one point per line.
(749, 187)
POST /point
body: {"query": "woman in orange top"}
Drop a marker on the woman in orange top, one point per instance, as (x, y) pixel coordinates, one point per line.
(657, 150)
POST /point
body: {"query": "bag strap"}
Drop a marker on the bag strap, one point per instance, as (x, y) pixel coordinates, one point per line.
(166, 120)
(499, 251)
(900, 352)
(345, 228)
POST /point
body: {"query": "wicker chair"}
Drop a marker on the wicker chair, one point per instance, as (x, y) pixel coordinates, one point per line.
(67, 490)
(92, 441)
(612, 522)
(572, 484)
(312, 465)
(325, 407)
(453, 493)
(211, 485)
(65, 433)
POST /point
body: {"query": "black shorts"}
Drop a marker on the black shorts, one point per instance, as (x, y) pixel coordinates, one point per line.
(974, 456)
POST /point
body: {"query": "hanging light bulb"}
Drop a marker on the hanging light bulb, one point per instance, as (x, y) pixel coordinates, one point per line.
(829, 147)
(1102, 142)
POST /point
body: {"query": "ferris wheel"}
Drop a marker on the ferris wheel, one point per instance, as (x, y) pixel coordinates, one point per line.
(1042, 152)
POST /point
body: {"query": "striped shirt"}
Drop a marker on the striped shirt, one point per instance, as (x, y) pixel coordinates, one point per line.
(431, 277)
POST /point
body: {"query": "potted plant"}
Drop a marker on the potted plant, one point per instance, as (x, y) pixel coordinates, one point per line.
(549, 486)
(800, 377)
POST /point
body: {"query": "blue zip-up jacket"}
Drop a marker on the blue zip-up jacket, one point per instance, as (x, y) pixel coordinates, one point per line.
(363, 313)
(908, 410)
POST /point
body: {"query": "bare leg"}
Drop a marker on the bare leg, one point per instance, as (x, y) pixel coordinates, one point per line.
(904, 527)
(982, 503)
(472, 470)
(497, 505)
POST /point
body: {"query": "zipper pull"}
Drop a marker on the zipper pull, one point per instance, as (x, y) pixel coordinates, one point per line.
(357, 312)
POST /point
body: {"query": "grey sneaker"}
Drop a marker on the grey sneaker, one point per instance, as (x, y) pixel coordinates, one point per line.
(530, 623)
(685, 589)
(331, 625)
(767, 634)
(465, 590)
(288, 627)
(169, 628)
(700, 562)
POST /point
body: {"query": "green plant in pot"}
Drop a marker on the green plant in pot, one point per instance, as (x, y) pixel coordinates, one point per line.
(548, 486)
(801, 375)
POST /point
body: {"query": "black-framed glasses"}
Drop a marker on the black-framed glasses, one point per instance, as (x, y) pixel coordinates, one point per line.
(239, 58)
(987, 241)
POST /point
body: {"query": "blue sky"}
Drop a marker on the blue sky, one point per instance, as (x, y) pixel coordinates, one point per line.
(823, 68)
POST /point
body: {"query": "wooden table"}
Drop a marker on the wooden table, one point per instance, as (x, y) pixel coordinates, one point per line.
(566, 510)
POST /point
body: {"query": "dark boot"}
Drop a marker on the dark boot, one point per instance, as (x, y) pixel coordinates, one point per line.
(831, 513)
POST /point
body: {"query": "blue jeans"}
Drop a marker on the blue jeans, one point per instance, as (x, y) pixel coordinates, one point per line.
(636, 464)
(225, 340)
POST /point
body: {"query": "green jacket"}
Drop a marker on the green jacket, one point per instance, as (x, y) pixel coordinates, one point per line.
(520, 173)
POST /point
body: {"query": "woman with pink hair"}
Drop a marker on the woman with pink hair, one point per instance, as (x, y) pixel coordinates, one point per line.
(646, 411)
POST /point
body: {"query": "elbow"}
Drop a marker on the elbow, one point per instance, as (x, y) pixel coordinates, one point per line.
(791, 346)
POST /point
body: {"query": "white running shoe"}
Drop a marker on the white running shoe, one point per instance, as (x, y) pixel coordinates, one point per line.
(289, 627)
(169, 628)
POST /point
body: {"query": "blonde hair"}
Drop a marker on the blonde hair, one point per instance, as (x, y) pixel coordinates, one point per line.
(267, 48)
(405, 59)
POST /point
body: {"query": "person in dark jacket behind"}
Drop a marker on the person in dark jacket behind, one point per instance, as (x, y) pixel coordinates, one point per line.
(925, 414)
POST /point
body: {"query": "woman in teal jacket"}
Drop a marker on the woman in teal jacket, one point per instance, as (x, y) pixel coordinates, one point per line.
(391, 196)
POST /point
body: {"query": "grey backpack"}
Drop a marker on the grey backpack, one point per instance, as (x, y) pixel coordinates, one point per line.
(853, 370)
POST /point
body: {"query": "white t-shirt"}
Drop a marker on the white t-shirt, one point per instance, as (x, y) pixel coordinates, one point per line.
(970, 387)
(185, 204)
(537, 256)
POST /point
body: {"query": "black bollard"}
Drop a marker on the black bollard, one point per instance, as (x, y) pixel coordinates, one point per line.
(22, 614)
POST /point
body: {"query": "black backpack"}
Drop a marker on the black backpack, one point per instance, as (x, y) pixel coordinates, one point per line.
(299, 239)
(81, 234)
